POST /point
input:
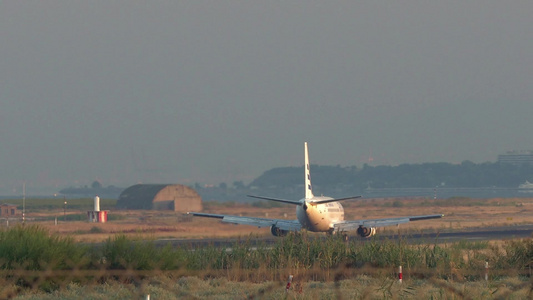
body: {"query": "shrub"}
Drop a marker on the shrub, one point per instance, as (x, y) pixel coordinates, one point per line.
(33, 248)
(96, 229)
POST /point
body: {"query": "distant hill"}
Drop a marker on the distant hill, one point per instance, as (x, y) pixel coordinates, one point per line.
(426, 175)
(110, 192)
(465, 179)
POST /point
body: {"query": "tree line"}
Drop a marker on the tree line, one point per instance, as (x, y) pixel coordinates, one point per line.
(337, 181)
(426, 175)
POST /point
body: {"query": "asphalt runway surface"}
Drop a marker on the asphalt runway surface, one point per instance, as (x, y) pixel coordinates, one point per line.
(478, 234)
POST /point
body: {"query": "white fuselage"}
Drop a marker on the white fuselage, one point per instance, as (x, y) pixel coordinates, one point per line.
(319, 217)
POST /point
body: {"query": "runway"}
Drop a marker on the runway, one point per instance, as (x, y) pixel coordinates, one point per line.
(478, 234)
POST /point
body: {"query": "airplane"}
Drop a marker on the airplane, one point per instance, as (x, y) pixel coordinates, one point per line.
(316, 214)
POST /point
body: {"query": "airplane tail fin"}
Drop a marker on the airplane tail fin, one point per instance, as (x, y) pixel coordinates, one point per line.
(308, 187)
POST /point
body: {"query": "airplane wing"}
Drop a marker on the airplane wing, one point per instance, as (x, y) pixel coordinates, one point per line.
(352, 225)
(290, 225)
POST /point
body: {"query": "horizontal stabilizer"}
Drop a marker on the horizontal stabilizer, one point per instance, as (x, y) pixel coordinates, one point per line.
(278, 200)
(333, 200)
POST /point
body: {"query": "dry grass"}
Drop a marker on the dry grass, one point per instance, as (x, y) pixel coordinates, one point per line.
(128, 269)
(469, 213)
(360, 287)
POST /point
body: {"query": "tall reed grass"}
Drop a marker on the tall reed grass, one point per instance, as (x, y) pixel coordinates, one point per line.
(32, 257)
(33, 248)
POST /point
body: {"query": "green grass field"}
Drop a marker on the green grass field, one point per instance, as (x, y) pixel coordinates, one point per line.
(35, 264)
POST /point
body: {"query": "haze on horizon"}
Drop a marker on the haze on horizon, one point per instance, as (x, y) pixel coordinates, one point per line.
(221, 91)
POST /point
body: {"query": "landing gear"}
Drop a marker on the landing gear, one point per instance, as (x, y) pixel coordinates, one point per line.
(341, 234)
(345, 237)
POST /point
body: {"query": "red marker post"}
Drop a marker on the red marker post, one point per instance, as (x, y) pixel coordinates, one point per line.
(288, 284)
(400, 274)
(486, 271)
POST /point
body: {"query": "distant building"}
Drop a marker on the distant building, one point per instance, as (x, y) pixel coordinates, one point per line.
(8, 210)
(174, 197)
(516, 157)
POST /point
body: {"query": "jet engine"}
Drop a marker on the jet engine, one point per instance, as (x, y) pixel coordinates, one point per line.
(278, 232)
(365, 231)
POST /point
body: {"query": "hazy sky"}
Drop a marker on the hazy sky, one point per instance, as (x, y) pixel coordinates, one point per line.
(218, 91)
